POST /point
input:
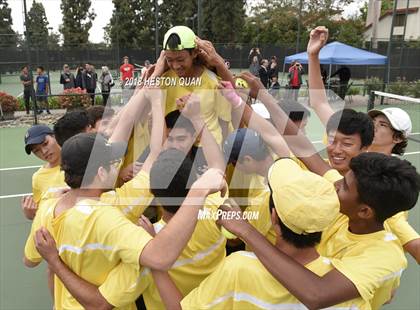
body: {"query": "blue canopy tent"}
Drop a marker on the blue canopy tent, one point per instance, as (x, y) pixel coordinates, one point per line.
(336, 53)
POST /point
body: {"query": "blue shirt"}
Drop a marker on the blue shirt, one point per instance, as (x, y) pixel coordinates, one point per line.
(41, 82)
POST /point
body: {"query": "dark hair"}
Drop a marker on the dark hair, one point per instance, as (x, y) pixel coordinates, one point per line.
(399, 148)
(170, 179)
(298, 241)
(173, 41)
(295, 110)
(350, 122)
(25, 66)
(40, 67)
(97, 112)
(175, 119)
(385, 183)
(70, 124)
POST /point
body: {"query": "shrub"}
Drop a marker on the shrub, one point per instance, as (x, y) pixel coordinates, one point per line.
(399, 87)
(8, 103)
(373, 83)
(415, 89)
(77, 99)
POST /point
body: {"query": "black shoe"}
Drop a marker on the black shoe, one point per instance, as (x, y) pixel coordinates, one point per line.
(48, 112)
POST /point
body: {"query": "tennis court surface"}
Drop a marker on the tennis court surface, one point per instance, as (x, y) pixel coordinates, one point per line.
(23, 288)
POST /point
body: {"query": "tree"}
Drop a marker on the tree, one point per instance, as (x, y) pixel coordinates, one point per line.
(223, 21)
(8, 37)
(132, 23)
(177, 12)
(77, 21)
(37, 25)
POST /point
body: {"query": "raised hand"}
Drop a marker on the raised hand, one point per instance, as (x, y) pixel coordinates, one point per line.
(189, 105)
(254, 83)
(317, 40)
(208, 53)
(212, 181)
(229, 93)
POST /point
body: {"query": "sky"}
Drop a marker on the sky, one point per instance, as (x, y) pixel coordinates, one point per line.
(103, 10)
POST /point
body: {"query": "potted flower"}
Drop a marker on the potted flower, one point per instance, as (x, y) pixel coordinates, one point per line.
(9, 105)
(74, 98)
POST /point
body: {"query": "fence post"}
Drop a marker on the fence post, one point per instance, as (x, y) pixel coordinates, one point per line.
(371, 102)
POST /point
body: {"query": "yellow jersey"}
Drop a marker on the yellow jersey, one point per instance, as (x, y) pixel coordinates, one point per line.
(380, 254)
(242, 282)
(92, 239)
(47, 180)
(213, 106)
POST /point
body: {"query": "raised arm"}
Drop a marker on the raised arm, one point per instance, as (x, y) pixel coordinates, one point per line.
(163, 250)
(295, 139)
(318, 292)
(208, 54)
(267, 131)
(128, 117)
(86, 293)
(190, 108)
(317, 96)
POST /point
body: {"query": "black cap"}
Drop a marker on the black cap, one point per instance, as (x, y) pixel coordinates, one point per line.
(36, 135)
(89, 150)
(242, 142)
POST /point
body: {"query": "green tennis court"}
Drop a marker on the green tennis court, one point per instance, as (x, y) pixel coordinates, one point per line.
(23, 288)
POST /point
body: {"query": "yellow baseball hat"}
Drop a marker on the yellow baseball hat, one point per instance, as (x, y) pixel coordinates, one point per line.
(305, 202)
(186, 37)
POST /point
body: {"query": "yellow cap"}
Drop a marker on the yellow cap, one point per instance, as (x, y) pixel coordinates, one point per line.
(305, 202)
(186, 37)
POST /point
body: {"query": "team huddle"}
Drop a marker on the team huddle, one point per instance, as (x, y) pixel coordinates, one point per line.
(122, 209)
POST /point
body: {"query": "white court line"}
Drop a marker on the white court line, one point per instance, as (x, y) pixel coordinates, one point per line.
(411, 153)
(19, 168)
(16, 195)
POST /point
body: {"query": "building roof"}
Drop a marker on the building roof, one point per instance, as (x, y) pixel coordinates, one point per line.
(397, 12)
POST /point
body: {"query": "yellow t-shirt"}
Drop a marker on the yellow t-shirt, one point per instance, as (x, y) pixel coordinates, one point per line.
(373, 262)
(132, 198)
(139, 140)
(212, 104)
(201, 256)
(92, 239)
(396, 224)
(399, 226)
(242, 282)
(47, 180)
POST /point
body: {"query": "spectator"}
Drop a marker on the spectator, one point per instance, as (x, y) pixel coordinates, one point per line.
(27, 82)
(127, 71)
(227, 63)
(79, 77)
(254, 66)
(274, 67)
(275, 82)
(145, 68)
(106, 82)
(263, 73)
(42, 89)
(89, 81)
(67, 78)
(344, 75)
(255, 51)
(295, 78)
